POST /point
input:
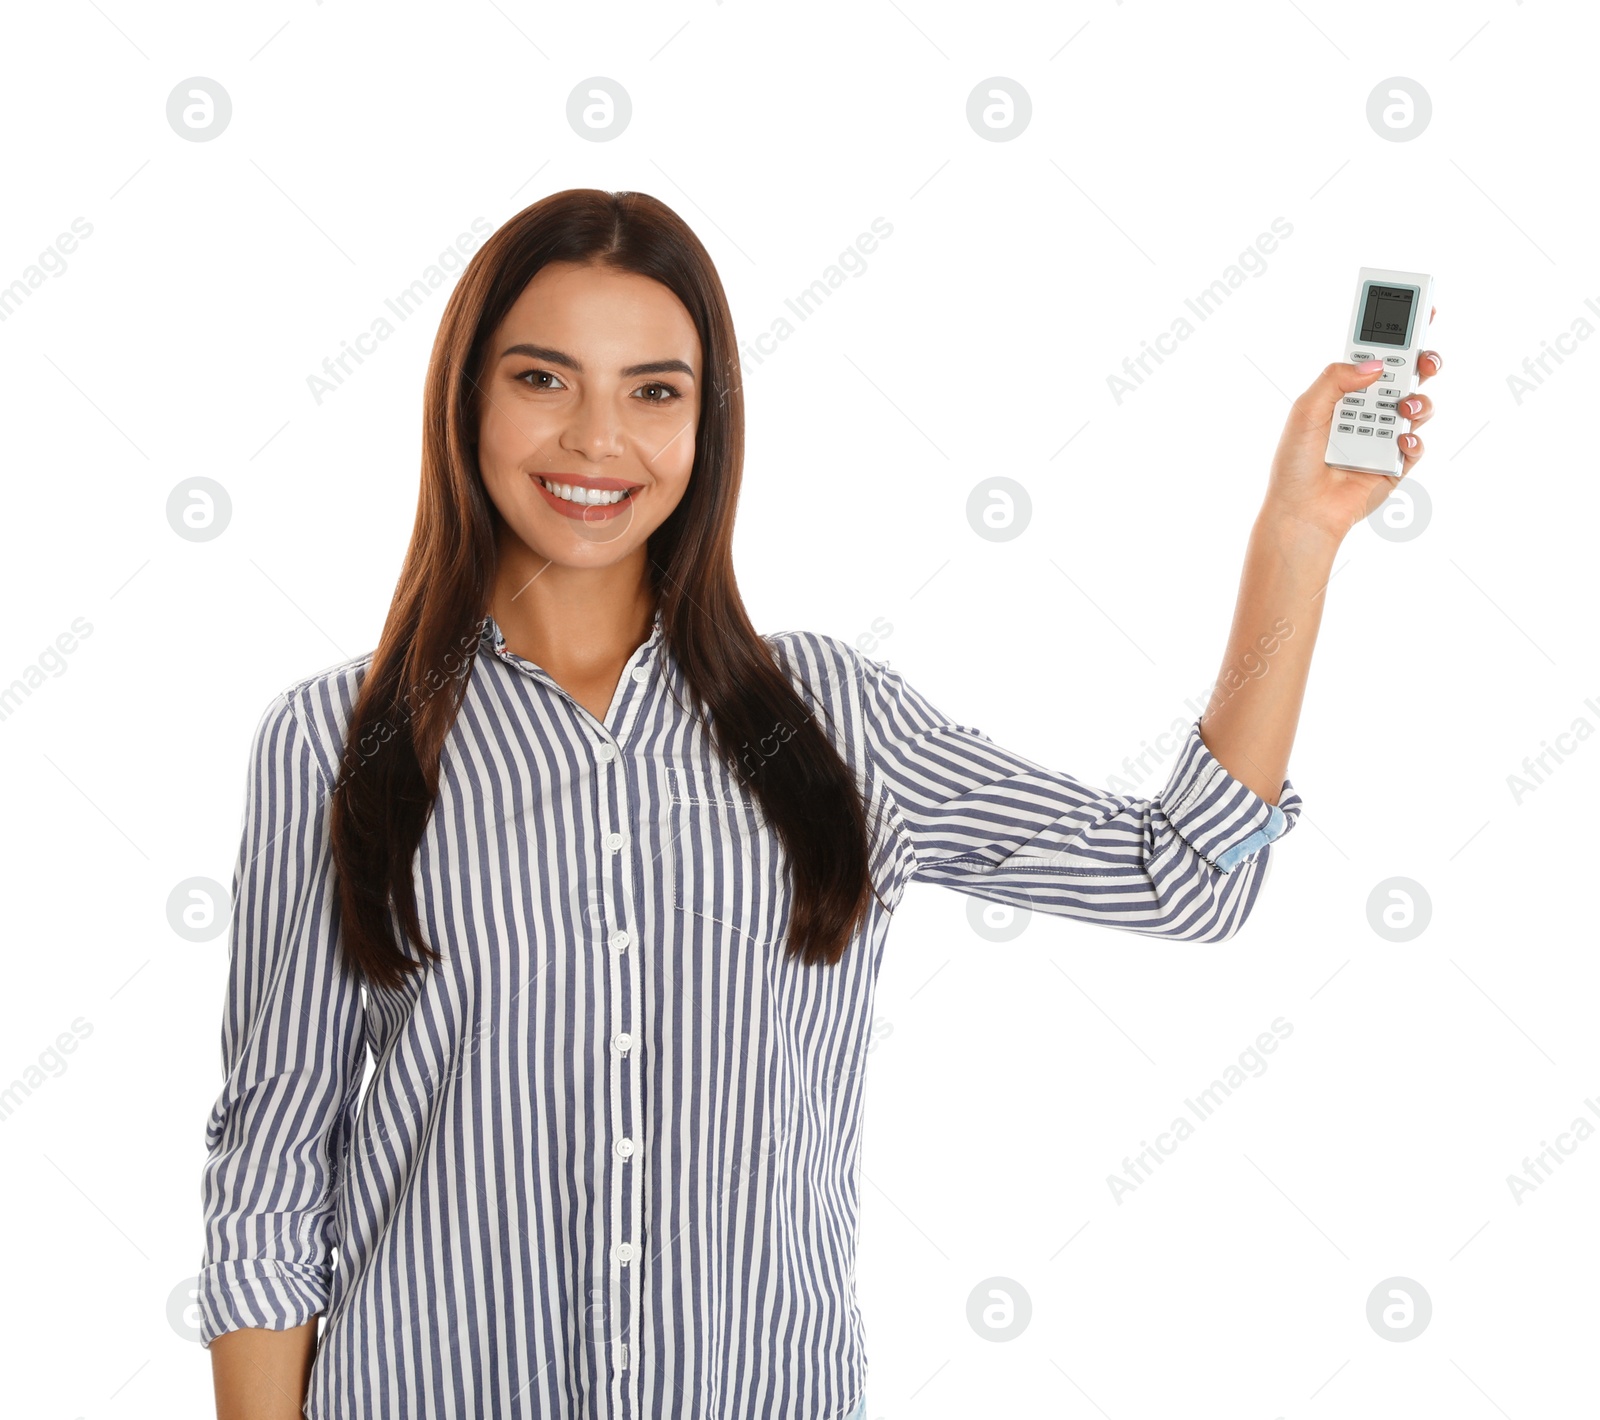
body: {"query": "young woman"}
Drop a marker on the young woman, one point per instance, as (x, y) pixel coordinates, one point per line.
(597, 880)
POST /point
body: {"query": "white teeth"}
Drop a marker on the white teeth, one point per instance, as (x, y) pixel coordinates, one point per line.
(592, 496)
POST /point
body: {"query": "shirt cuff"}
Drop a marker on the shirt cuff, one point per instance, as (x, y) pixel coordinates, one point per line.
(1229, 859)
(1223, 820)
(264, 1292)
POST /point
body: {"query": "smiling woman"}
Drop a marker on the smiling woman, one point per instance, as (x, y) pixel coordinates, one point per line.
(451, 885)
(606, 919)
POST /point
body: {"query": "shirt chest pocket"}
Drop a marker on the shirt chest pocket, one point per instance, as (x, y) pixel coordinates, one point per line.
(725, 864)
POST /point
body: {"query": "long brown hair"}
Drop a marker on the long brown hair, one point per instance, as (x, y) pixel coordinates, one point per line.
(413, 688)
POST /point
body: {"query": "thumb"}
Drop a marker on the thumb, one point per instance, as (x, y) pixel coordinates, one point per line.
(1315, 406)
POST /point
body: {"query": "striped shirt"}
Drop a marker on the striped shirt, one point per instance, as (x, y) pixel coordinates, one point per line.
(603, 1160)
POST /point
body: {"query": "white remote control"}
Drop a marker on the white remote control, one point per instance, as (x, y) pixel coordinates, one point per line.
(1388, 323)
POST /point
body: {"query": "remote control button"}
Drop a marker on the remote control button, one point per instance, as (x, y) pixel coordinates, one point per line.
(1394, 359)
(1347, 428)
(1386, 419)
(1352, 399)
(1387, 404)
(1366, 416)
(1393, 390)
(1383, 433)
(1361, 355)
(1363, 430)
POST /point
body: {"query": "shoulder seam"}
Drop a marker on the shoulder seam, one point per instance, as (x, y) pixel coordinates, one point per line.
(301, 730)
(293, 693)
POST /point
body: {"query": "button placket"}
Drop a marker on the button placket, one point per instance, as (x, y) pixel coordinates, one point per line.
(625, 1200)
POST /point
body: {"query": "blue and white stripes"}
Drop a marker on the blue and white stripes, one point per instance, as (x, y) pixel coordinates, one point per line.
(989, 822)
(606, 1163)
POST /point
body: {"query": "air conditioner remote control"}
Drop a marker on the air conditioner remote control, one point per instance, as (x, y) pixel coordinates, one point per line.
(1388, 322)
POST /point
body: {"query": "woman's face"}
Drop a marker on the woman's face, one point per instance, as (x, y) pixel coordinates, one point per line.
(591, 385)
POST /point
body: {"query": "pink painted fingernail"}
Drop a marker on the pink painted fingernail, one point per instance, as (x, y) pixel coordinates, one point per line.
(1366, 367)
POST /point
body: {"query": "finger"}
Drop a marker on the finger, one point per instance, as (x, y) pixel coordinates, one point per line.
(1314, 408)
(1431, 314)
(1429, 363)
(1411, 449)
(1418, 408)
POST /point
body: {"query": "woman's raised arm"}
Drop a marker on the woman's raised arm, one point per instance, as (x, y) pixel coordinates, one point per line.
(1309, 507)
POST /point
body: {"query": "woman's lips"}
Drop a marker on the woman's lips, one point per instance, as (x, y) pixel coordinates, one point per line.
(584, 512)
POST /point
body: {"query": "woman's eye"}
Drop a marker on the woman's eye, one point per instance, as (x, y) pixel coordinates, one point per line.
(656, 392)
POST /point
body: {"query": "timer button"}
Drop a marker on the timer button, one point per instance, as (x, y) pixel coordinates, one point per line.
(1386, 419)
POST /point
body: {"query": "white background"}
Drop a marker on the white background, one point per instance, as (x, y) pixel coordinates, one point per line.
(1009, 1079)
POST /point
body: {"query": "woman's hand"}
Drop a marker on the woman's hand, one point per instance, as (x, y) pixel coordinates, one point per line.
(1322, 502)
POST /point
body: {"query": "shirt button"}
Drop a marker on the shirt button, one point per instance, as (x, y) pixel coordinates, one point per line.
(603, 752)
(619, 941)
(625, 1148)
(641, 673)
(614, 841)
(625, 1253)
(622, 1041)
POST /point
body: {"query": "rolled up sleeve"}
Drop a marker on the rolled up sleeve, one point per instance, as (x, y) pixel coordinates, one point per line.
(293, 1044)
(1187, 863)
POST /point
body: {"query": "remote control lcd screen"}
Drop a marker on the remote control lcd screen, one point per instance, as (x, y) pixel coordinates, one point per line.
(1386, 320)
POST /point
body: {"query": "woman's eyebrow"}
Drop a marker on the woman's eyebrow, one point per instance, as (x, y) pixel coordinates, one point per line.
(558, 357)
